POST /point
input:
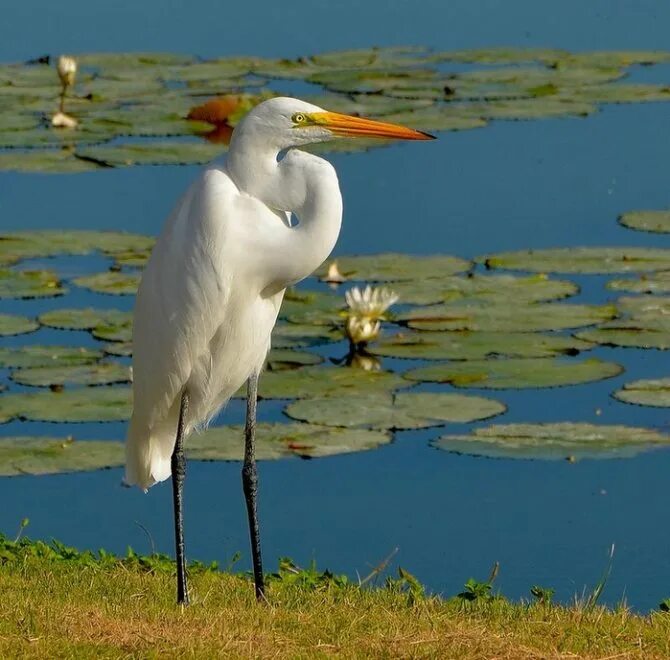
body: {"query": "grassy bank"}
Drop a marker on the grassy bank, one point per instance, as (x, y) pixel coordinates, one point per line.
(56, 602)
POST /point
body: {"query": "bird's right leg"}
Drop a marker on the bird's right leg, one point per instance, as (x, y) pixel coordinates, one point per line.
(250, 484)
(178, 464)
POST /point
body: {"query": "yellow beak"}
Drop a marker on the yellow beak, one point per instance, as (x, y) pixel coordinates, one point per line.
(346, 125)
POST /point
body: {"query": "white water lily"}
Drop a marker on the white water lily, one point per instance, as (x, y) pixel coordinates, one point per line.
(61, 120)
(67, 70)
(362, 330)
(370, 302)
(366, 310)
(333, 276)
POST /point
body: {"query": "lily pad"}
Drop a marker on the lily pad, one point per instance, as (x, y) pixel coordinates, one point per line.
(98, 373)
(284, 358)
(652, 392)
(89, 404)
(294, 335)
(33, 355)
(527, 289)
(396, 267)
(39, 455)
(653, 221)
(11, 324)
(517, 373)
(110, 282)
(276, 441)
(45, 160)
(467, 345)
(554, 441)
(635, 333)
(406, 410)
(506, 317)
(586, 260)
(312, 307)
(151, 153)
(107, 324)
(119, 348)
(18, 245)
(319, 382)
(29, 284)
(648, 283)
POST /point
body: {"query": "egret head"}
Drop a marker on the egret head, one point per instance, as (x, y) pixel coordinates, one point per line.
(286, 122)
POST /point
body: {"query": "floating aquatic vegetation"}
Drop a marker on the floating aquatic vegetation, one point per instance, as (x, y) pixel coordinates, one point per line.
(366, 309)
(650, 392)
(88, 404)
(95, 373)
(405, 410)
(647, 283)
(29, 284)
(653, 221)
(107, 324)
(275, 441)
(585, 260)
(565, 440)
(516, 373)
(34, 355)
(467, 345)
(505, 316)
(12, 324)
(110, 282)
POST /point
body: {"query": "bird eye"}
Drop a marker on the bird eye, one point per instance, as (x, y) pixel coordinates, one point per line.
(299, 118)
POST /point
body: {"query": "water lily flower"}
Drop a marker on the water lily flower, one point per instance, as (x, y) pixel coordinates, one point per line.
(366, 311)
(67, 70)
(61, 120)
(333, 276)
(370, 303)
(362, 330)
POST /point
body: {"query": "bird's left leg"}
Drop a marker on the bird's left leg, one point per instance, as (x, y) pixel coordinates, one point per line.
(250, 483)
(178, 464)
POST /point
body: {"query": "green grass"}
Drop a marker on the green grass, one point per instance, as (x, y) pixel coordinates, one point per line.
(56, 602)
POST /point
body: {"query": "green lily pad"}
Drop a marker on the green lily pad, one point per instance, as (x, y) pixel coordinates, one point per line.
(635, 333)
(648, 283)
(39, 455)
(130, 61)
(294, 335)
(18, 245)
(533, 76)
(98, 373)
(21, 357)
(45, 160)
(107, 324)
(613, 58)
(284, 358)
(152, 153)
(276, 441)
(476, 345)
(312, 307)
(527, 289)
(517, 373)
(652, 392)
(320, 382)
(436, 118)
(480, 315)
(29, 284)
(110, 282)
(653, 221)
(89, 404)
(656, 308)
(503, 55)
(620, 93)
(406, 410)
(554, 441)
(12, 324)
(119, 348)
(586, 260)
(396, 267)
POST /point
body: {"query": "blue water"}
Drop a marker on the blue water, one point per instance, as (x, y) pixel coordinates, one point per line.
(510, 185)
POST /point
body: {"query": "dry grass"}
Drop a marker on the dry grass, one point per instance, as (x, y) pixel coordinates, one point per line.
(54, 608)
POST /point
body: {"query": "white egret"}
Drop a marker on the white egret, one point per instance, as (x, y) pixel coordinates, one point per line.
(212, 288)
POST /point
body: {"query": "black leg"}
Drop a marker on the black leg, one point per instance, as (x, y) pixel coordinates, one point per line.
(178, 475)
(250, 484)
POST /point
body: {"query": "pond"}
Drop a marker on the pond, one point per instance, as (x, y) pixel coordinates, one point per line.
(513, 185)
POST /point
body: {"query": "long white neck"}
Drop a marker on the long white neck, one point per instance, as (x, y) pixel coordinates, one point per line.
(300, 183)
